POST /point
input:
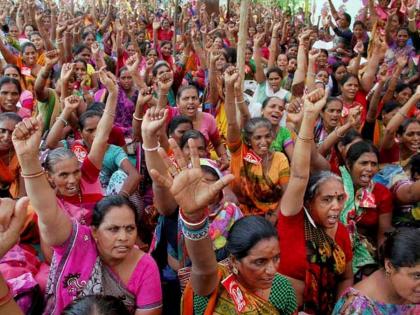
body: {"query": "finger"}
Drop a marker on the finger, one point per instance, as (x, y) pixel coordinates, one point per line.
(178, 154)
(195, 158)
(220, 184)
(20, 214)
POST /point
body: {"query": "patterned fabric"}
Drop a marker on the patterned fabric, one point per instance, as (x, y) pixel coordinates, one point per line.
(282, 299)
(9, 176)
(326, 264)
(363, 251)
(125, 111)
(259, 191)
(282, 140)
(354, 302)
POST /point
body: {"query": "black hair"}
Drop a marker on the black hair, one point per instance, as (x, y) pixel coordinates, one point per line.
(10, 116)
(103, 206)
(191, 134)
(231, 54)
(96, 304)
(184, 88)
(34, 33)
(274, 69)
(414, 164)
(79, 48)
(331, 99)
(81, 61)
(403, 127)
(401, 87)
(6, 80)
(315, 180)
(357, 149)
(96, 106)
(349, 136)
(324, 51)
(246, 232)
(347, 17)
(88, 114)
(401, 247)
(26, 45)
(359, 23)
(159, 65)
(11, 65)
(86, 34)
(347, 77)
(268, 99)
(389, 107)
(176, 121)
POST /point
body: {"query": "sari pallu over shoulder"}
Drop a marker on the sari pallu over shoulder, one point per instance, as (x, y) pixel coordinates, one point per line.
(69, 278)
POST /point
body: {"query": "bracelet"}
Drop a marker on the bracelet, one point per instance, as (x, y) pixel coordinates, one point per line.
(192, 224)
(411, 19)
(404, 115)
(163, 94)
(137, 118)
(305, 139)
(34, 175)
(196, 235)
(65, 122)
(240, 102)
(109, 113)
(336, 133)
(151, 149)
(6, 299)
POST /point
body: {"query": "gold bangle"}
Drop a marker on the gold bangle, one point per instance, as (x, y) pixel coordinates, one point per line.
(137, 118)
(34, 175)
(305, 139)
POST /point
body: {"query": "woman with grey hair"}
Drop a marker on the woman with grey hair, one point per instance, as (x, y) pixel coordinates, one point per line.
(315, 247)
(260, 174)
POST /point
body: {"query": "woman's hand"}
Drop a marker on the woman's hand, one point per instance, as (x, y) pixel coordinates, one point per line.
(314, 102)
(145, 96)
(108, 80)
(71, 103)
(188, 185)
(67, 71)
(354, 116)
(402, 61)
(313, 55)
(165, 82)
(259, 40)
(153, 121)
(12, 218)
(95, 49)
(51, 58)
(231, 76)
(27, 137)
(132, 63)
(214, 55)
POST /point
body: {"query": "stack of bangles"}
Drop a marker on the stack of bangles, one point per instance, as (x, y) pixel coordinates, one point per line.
(6, 299)
(194, 231)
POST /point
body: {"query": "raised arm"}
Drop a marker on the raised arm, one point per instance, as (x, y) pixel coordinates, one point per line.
(7, 54)
(41, 87)
(143, 98)
(233, 131)
(274, 45)
(302, 62)
(368, 78)
(396, 74)
(44, 34)
(54, 224)
(259, 71)
(193, 194)
(398, 119)
(292, 200)
(100, 142)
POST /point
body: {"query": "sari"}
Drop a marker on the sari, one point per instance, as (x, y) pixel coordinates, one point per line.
(230, 297)
(363, 250)
(49, 110)
(9, 176)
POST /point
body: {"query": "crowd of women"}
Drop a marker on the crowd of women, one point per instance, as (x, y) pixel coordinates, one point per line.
(143, 172)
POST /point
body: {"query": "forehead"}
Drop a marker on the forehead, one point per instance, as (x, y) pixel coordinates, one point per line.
(275, 102)
(120, 216)
(9, 87)
(8, 124)
(91, 121)
(334, 105)
(414, 126)
(66, 165)
(184, 126)
(265, 248)
(261, 131)
(28, 48)
(331, 186)
(188, 93)
(368, 156)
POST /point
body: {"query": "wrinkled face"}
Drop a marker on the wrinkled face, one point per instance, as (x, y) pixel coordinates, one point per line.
(6, 129)
(291, 67)
(126, 80)
(258, 269)
(282, 61)
(411, 137)
(201, 148)
(13, 31)
(403, 96)
(130, 50)
(365, 167)
(188, 103)
(406, 283)
(117, 233)
(328, 202)
(331, 115)
(80, 71)
(179, 131)
(322, 59)
(340, 73)
(274, 110)
(402, 38)
(28, 30)
(323, 76)
(65, 176)
(89, 39)
(9, 97)
(274, 80)
(221, 62)
(37, 41)
(386, 117)
(89, 130)
(261, 140)
(358, 31)
(85, 54)
(12, 72)
(166, 50)
(29, 56)
(350, 88)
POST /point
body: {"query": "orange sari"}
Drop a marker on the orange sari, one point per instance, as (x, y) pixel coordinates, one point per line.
(9, 175)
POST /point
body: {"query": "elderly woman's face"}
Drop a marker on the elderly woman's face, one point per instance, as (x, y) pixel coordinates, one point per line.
(65, 177)
(327, 204)
(257, 270)
(406, 282)
(116, 235)
(261, 140)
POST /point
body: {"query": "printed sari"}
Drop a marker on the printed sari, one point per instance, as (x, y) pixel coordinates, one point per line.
(9, 176)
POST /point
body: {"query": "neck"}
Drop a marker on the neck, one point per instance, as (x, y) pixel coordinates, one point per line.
(346, 99)
(390, 295)
(405, 153)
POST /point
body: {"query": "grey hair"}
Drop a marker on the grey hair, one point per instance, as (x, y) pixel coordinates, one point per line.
(55, 156)
(316, 180)
(252, 125)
